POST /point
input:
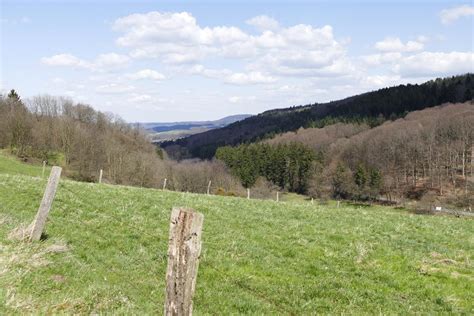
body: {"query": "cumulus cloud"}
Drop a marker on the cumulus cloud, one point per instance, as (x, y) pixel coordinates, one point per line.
(178, 39)
(435, 64)
(263, 22)
(394, 44)
(448, 16)
(146, 74)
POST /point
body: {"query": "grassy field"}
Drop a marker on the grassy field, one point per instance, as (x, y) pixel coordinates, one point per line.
(105, 252)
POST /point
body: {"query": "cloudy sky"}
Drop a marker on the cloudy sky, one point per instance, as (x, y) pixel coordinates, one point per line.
(198, 60)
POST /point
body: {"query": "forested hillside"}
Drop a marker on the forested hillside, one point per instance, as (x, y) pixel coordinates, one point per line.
(428, 155)
(372, 108)
(83, 141)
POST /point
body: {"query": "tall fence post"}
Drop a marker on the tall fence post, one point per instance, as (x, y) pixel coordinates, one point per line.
(312, 201)
(44, 169)
(101, 173)
(248, 194)
(209, 187)
(183, 261)
(278, 196)
(48, 198)
(164, 184)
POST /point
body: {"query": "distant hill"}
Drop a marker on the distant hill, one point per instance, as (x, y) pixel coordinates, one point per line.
(373, 107)
(165, 131)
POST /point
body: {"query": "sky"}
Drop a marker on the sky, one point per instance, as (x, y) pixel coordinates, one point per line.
(178, 60)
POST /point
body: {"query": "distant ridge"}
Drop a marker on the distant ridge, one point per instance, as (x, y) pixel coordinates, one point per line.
(167, 131)
(156, 126)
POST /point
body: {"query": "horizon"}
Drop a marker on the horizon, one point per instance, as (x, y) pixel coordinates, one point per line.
(170, 62)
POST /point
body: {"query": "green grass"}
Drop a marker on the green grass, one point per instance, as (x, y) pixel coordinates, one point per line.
(11, 165)
(259, 257)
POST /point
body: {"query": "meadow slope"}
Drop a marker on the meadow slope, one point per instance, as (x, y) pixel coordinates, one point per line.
(105, 252)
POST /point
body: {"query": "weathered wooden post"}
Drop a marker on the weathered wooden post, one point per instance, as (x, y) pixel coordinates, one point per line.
(101, 173)
(183, 261)
(278, 196)
(46, 202)
(164, 184)
(209, 187)
(312, 201)
(338, 203)
(44, 169)
(248, 194)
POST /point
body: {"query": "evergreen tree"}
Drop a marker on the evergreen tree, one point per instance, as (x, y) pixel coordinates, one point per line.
(13, 95)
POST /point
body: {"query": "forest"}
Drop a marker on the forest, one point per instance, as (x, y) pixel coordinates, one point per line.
(372, 107)
(427, 155)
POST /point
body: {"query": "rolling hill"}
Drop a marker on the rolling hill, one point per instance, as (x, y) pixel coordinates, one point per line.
(376, 106)
(161, 131)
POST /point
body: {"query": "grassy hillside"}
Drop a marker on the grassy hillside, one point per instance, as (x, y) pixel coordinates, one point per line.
(11, 165)
(106, 246)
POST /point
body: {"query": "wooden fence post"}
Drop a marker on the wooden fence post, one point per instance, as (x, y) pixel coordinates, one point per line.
(248, 194)
(209, 188)
(183, 261)
(338, 203)
(164, 184)
(278, 196)
(101, 173)
(44, 169)
(312, 201)
(46, 202)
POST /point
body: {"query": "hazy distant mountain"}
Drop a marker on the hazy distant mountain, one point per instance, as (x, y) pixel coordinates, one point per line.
(162, 131)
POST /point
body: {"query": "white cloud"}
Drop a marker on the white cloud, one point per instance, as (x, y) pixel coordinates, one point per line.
(234, 99)
(67, 60)
(448, 16)
(146, 74)
(380, 81)
(210, 73)
(394, 44)
(254, 77)
(111, 60)
(263, 22)
(239, 99)
(177, 38)
(114, 88)
(103, 62)
(435, 64)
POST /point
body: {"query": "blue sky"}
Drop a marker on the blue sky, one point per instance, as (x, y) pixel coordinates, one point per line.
(199, 60)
